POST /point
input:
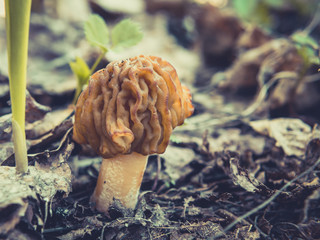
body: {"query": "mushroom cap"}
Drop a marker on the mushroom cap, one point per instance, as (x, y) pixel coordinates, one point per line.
(131, 106)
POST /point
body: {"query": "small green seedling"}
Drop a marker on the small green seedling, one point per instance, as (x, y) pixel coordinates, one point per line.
(307, 48)
(17, 28)
(124, 34)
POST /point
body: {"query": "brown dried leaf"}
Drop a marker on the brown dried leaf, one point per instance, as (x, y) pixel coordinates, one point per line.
(16, 189)
(52, 127)
(245, 232)
(44, 180)
(76, 234)
(44, 183)
(242, 177)
(55, 163)
(34, 110)
(292, 135)
(233, 140)
(10, 214)
(257, 66)
(252, 37)
(177, 160)
(312, 229)
(22, 234)
(203, 229)
(48, 123)
(5, 127)
(281, 95)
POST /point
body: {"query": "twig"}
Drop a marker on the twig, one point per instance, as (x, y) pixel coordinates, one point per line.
(272, 198)
(264, 90)
(303, 235)
(98, 60)
(102, 231)
(314, 22)
(259, 230)
(247, 112)
(156, 180)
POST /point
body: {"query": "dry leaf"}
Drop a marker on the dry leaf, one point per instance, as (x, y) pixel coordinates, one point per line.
(291, 134)
(175, 158)
(50, 175)
(242, 177)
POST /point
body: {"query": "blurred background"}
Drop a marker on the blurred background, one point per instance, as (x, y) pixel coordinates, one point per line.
(199, 37)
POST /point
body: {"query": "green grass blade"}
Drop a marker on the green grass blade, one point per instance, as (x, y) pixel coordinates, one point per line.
(20, 147)
(17, 28)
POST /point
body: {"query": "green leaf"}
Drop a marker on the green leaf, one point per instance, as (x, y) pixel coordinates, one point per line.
(243, 8)
(303, 39)
(97, 32)
(81, 70)
(275, 3)
(126, 34)
(309, 55)
(307, 47)
(315, 60)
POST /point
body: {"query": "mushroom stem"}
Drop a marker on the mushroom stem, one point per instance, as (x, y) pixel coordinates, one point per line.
(119, 179)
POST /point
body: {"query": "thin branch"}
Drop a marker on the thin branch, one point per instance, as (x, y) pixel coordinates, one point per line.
(272, 198)
(246, 113)
(314, 22)
(98, 60)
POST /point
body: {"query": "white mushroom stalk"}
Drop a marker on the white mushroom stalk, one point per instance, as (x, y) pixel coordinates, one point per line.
(119, 179)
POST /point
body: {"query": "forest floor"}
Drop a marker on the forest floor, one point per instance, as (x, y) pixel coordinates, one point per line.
(244, 166)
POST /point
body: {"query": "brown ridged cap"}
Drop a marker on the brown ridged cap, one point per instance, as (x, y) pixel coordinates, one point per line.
(131, 106)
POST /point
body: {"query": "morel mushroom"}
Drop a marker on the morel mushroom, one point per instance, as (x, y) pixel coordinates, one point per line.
(127, 112)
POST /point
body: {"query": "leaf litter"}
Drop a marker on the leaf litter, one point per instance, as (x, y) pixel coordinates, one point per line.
(227, 174)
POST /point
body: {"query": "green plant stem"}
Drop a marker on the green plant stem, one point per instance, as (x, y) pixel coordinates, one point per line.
(98, 60)
(17, 28)
(80, 83)
(314, 22)
(76, 95)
